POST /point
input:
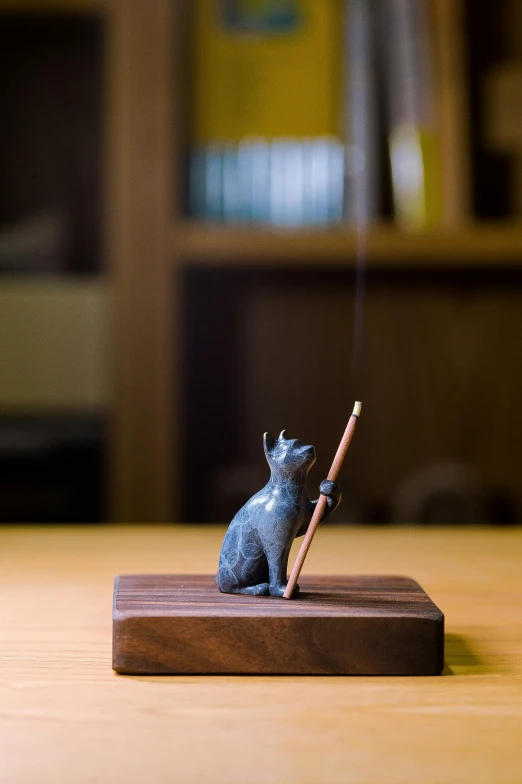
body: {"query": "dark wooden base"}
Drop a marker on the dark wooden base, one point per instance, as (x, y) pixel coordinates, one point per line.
(363, 625)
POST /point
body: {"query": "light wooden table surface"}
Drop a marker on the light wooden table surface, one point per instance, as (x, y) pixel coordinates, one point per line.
(65, 717)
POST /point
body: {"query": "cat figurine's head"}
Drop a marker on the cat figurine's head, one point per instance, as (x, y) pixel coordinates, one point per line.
(288, 455)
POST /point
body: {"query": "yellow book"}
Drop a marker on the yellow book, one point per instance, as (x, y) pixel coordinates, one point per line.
(267, 68)
(415, 133)
(417, 176)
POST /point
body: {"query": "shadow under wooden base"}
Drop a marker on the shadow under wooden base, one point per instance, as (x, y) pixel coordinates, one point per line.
(359, 625)
(459, 657)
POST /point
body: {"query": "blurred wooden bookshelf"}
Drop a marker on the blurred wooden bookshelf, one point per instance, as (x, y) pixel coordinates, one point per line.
(149, 242)
(152, 244)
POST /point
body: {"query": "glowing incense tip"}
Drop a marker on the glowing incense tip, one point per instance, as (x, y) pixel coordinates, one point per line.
(357, 409)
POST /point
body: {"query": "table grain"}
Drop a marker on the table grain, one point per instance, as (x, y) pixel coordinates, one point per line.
(66, 717)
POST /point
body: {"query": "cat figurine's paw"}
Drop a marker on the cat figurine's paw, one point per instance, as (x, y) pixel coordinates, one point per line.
(330, 489)
(279, 590)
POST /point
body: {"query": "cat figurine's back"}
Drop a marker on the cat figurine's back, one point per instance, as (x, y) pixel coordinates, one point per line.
(255, 550)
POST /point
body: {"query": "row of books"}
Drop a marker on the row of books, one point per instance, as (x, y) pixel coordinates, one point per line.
(291, 100)
(286, 182)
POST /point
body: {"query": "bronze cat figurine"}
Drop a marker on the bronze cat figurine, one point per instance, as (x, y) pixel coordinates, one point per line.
(255, 550)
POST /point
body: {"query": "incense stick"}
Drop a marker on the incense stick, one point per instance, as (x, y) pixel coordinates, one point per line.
(321, 503)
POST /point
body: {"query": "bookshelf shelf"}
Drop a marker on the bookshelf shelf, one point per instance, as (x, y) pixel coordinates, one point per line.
(485, 246)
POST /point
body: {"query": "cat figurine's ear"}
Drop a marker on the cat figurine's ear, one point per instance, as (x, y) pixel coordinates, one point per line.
(283, 436)
(269, 443)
